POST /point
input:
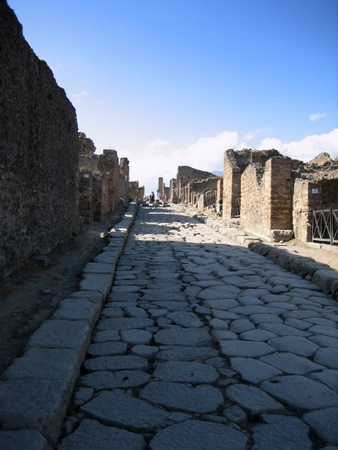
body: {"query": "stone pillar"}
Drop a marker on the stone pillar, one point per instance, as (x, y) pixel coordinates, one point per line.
(219, 197)
(109, 164)
(231, 184)
(161, 186)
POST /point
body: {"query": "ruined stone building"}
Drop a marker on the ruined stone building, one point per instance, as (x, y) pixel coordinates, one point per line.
(275, 196)
(190, 185)
(267, 194)
(103, 182)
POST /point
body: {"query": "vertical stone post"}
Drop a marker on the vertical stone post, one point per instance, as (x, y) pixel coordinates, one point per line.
(109, 164)
(231, 184)
(278, 201)
(161, 186)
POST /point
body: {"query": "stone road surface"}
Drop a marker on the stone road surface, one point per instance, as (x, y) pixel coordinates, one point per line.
(203, 344)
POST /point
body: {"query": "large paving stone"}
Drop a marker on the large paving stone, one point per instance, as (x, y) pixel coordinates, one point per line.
(281, 432)
(93, 435)
(172, 305)
(328, 377)
(105, 336)
(200, 399)
(186, 353)
(245, 348)
(133, 311)
(185, 372)
(290, 363)
(253, 370)
(136, 337)
(27, 439)
(183, 336)
(282, 330)
(221, 303)
(120, 409)
(109, 348)
(97, 282)
(295, 344)
(328, 357)
(124, 362)
(264, 318)
(61, 334)
(324, 422)
(45, 364)
(111, 380)
(301, 392)
(241, 325)
(326, 331)
(124, 323)
(34, 404)
(253, 399)
(257, 335)
(78, 309)
(218, 292)
(247, 310)
(96, 267)
(185, 319)
(199, 436)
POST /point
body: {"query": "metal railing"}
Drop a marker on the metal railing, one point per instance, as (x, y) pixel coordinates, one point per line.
(325, 226)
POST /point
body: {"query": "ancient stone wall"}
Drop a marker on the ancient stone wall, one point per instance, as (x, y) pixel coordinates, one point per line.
(135, 191)
(257, 187)
(38, 152)
(104, 183)
(173, 191)
(185, 175)
(198, 188)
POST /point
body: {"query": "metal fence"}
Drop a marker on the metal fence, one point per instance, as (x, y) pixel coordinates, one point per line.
(325, 226)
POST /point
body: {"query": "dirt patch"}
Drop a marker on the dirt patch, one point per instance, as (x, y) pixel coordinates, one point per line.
(31, 295)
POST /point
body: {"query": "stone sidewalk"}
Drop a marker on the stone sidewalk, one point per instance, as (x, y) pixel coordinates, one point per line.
(201, 344)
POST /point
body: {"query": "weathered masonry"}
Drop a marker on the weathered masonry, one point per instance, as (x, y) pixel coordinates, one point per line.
(276, 197)
(267, 194)
(193, 186)
(38, 152)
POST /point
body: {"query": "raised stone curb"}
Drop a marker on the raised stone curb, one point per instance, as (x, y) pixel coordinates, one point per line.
(35, 390)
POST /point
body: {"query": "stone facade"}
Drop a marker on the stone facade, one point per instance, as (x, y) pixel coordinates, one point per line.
(277, 195)
(185, 175)
(38, 152)
(315, 187)
(266, 199)
(104, 182)
(135, 191)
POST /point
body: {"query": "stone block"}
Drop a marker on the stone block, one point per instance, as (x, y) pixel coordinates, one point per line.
(27, 439)
(97, 282)
(35, 405)
(325, 279)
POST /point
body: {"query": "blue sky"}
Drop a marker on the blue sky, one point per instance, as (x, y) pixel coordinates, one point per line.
(177, 82)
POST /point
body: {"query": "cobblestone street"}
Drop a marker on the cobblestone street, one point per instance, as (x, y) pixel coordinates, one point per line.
(203, 344)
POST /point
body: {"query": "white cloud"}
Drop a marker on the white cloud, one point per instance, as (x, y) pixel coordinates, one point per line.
(77, 98)
(307, 148)
(161, 159)
(315, 117)
(249, 136)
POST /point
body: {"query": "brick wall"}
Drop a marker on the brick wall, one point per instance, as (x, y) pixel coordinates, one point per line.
(38, 152)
